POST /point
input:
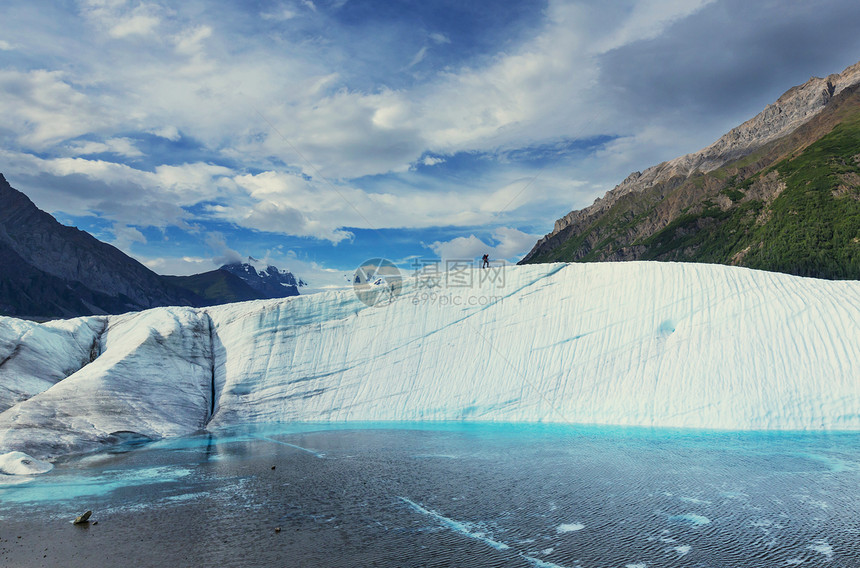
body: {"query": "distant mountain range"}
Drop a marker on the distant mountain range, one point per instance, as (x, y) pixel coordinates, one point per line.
(265, 278)
(780, 192)
(240, 281)
(50, 270)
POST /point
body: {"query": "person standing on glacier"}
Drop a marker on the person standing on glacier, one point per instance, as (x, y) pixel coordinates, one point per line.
(486, 259)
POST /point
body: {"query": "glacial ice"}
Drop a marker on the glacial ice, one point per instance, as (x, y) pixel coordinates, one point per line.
(153, 379)
(33, 357)
(637, 343)
(19, 463)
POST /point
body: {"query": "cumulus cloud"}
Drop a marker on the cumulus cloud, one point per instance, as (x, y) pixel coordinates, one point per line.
(125, 236)
(314, 147)
(510, 244)
(125, 194)
(317, 276)
(44, 108)
(178, 266)
(432, 160)
(223, 253)
(315, 121)
(293, 204)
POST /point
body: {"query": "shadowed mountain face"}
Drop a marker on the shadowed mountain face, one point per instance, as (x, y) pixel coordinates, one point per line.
(780, 192)
(48, 269)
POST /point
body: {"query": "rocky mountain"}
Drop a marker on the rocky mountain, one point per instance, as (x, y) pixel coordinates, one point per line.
(779, 192)
(268, 280)
(49, 270)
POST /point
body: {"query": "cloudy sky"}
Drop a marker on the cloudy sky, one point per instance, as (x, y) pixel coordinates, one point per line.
(320, 133)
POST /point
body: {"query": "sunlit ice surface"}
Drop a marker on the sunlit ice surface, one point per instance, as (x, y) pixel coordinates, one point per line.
(446, 494)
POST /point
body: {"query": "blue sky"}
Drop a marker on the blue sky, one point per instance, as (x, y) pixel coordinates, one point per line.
(317, 134)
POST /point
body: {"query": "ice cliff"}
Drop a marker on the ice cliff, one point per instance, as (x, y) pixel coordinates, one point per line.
(653, 344)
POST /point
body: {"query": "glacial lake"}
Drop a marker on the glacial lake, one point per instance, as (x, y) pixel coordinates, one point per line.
(465, 495)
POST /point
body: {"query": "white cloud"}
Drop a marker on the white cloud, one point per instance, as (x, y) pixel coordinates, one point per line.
(419, 57)
(216, 241)
(647, 20)
(43, 108)
(5, 46)
(285, 109)
(532, 91)
(432, 160)
(168, 132)
(290, 204)
(178, 266)
(190, 41)
(281, 14)
(460, 248)
(123, 193)
(439, 38)
(124, 236)
(136, 25)
(120, 146)
(119, 20)
(271, 201)
(317, 277)
(512, 244)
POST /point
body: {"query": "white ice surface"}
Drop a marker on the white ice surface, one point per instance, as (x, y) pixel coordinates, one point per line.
(153, 379)
(34, 357)
(639, 343)
(19, 463)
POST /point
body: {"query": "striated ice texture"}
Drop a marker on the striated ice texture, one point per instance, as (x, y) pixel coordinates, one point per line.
(638, 343)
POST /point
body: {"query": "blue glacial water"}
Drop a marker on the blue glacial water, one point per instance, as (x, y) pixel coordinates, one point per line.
(469, 495)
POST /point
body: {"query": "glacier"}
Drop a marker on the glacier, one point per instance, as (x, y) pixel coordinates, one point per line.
(635, 343)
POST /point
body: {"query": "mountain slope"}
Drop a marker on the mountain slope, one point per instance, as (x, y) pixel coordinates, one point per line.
(29, 292)
(217, 287)
(50, 269)
(639, 343)
(788, 203)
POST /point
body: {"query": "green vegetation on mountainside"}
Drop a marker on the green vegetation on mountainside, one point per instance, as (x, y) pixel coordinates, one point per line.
(811, 228)
(217, 286)
(791, 206)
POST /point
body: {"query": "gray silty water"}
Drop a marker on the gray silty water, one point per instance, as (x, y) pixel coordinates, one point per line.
(447, 495)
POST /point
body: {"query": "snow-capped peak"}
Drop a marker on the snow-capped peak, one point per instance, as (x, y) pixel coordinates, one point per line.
(266, 278)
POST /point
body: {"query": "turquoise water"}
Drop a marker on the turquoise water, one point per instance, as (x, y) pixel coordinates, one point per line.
(447, 495)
